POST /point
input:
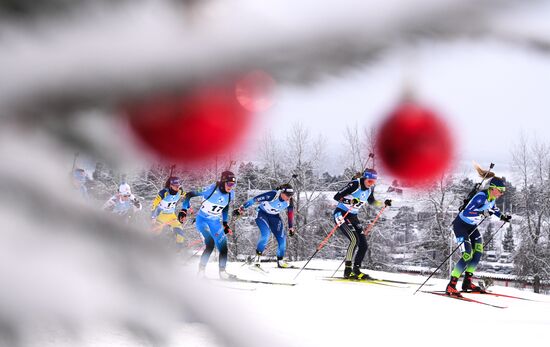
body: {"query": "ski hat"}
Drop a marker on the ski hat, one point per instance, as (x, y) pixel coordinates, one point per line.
(174, 180)
(287, 189)
(79, 175)
(370, 174)
(124, 189)
(497, 182)
(228, 177)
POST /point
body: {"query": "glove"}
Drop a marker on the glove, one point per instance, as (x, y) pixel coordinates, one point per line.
(182, 215)
(355, 201)
(227, 229)
(387, 202)
(137, 204)
(291, 232)
(505, 217)
(487, 213)
(238, 212)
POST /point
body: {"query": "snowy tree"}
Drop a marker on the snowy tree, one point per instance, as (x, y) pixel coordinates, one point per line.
(532, 165)
(303, 156)
(488, 237)
(508, 240)
(440, 202)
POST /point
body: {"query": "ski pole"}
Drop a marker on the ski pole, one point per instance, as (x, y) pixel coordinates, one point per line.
(494, 234)
(366, 232)
(450, 255)
(194, 254)
(371, 156)
(322, 244)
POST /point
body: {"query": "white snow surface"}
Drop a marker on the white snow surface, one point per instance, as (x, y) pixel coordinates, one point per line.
(317, 312)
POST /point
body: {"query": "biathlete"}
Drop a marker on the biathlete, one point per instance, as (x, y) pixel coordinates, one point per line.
(269, 221)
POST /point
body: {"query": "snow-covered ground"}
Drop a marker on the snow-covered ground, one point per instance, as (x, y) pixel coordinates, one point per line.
(317, 312)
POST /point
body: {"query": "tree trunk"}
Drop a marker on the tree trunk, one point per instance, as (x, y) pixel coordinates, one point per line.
(536, 284)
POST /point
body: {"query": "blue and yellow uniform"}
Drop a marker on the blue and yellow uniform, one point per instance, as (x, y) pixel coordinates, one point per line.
(163, 212)
(215, 205)
(268, 220)
(465, 228)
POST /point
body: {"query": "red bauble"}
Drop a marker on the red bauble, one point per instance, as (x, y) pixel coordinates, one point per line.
(414, 144)
(190, 127)
(255, 91)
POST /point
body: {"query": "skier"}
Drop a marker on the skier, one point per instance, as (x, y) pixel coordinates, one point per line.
(268, 220)
(78, 180)
(164, 207)
(465, 228)
(123, 203)
(217, 198)
(350, 199)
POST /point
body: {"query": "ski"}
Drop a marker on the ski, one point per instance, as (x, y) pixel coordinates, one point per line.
(494, 294)
(287, 267)
(462, 298)
(502, 295)
(221, 284)
(372, 281)
(307, 268)
(397, 282)
(259, 269)
(260, 282)
(389, 281)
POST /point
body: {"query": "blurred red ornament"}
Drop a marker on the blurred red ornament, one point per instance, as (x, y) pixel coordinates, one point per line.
(190, 127)
(255, 91)
(415, 144)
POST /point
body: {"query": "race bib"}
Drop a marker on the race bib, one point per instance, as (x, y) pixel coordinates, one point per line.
(212, 209)
(167, 205)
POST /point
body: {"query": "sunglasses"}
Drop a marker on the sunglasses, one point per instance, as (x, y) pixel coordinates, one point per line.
(230, 184)
(500, 189)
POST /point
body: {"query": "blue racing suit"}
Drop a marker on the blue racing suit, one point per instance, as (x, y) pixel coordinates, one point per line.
(269, 221)
(465, 230)
(215, 204)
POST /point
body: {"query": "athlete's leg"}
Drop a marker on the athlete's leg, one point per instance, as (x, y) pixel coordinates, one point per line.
(278, 230)
(361, 240)
(217, 233)
(477, 241)
(461, 231)
(350, 235)
(202, 226)
(265, 230)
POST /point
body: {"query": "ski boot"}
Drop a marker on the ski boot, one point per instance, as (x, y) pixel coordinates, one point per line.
(282, 264)
(357, 275)
(226, 276)
(347, 270)
(469, 286)
(257, 260)
(451, 288)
